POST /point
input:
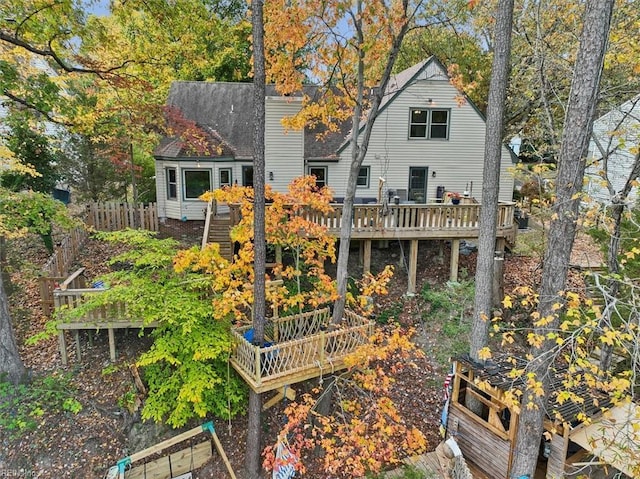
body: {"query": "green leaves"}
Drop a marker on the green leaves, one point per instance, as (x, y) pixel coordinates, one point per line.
(186, 368)
(30, 211)
(23, 407)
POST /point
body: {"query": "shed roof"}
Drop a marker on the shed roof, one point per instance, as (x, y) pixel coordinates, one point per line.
(497, 372)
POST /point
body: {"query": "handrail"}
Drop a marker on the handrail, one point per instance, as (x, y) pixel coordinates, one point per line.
(413, 217)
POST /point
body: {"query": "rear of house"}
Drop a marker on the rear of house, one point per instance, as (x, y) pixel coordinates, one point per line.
(428, 138)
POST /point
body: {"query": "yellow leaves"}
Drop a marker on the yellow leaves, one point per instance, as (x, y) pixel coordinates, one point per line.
(484, 354)
(609, 337)
(632, 253)
(508, 337)
(535, 340)
(545, 321)
(511, 399)
(506, 302)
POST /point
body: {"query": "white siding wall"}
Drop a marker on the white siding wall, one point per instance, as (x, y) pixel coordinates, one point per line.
(283, 148)
(181, 208)
(621, 160)
(457, 162)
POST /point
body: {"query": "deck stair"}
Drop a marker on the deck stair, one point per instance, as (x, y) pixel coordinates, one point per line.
(219, 227)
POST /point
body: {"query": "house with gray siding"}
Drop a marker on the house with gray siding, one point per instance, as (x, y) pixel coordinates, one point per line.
(428, 137)
(613, 150)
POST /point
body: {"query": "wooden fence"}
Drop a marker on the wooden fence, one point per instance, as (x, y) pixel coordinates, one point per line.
(100, 216)
(57, 267)
(64, 253)
(118, 216)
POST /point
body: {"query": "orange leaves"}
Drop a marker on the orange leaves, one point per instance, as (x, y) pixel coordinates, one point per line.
(366, 431)
(369, 286)
(325, 41)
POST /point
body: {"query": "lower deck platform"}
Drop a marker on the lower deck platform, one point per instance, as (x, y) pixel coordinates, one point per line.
(298, 348)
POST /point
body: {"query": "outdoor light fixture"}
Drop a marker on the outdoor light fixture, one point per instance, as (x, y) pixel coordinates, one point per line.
(433, 174)
(271, 176)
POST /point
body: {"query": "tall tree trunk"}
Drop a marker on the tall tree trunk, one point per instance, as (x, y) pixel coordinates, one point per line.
(491, 178)
(360, 145)
(252, 459)
(11, 367)
(575, 141)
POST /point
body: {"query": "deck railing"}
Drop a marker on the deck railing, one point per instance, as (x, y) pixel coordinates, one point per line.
(109, 317)
(406, 220)
(298, 347)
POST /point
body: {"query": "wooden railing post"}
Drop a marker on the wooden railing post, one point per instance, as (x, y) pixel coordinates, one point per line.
(323, 340)
(258, 375)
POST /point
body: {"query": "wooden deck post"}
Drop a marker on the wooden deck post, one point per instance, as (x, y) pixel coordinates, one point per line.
(256, 350)
(76, 335)
(366, 268)
(455, 258)
(322, 346)
(498, 272)
(279, 258)
(413, 267)
(63, 347)
(112, 345)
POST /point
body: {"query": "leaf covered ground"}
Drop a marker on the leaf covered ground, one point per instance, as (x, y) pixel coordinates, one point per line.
(64, 443)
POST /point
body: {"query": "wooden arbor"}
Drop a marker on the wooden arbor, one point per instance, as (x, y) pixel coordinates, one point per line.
(298, 348)
(488, 440)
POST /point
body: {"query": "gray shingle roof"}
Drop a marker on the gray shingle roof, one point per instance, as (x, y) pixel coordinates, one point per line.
(225, 111)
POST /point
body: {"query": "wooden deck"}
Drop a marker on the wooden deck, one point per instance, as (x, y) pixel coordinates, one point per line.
(302, 347)
(103, 318)
(416, 221)
(413, 223)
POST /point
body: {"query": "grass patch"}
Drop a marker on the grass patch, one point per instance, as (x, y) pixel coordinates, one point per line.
(530, 243)
(405, 472)
(390, 314)
(449, 311)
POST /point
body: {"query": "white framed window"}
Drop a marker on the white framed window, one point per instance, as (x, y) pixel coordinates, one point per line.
(363, 177)
(224, 177)
(172, 183)
(320, 172)
(429, 123)
(196, 182)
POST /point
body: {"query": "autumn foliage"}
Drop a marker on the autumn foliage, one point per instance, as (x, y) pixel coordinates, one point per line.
(365, 432)
(291, 225)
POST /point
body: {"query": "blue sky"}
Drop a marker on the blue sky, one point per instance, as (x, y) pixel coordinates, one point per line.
(98, 7)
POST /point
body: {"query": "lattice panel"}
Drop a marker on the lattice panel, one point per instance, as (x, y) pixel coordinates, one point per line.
(315, 348)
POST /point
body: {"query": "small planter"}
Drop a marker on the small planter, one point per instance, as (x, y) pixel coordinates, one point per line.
(455, 201)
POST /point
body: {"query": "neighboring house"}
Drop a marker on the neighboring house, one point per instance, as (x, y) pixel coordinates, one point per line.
(424, 138)
(616, 139)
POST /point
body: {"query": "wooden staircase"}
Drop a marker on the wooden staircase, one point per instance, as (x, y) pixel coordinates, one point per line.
(218, 232)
